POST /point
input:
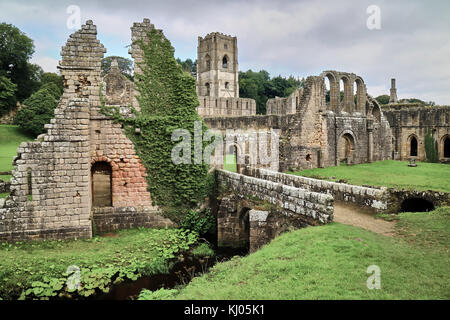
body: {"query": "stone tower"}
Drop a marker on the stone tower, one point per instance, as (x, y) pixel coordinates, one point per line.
(217, 66)
(393, 98)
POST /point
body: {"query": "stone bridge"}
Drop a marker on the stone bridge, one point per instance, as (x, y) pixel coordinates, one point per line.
(252, 211)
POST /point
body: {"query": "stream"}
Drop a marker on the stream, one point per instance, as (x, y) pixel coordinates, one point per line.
(181, 273)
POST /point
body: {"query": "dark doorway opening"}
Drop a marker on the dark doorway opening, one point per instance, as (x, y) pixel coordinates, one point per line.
(244, 228)
(413, 151)
(101, 184)
(447, 147)
(417, 205)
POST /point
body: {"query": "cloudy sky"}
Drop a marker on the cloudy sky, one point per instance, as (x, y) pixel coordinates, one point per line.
(287, 37)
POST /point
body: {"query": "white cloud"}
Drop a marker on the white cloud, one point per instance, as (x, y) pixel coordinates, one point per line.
(283, 37)
(47, 64)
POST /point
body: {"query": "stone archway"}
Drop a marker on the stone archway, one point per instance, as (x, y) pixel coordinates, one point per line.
(346, 147)
(413, 146)
(101, 191)
(446, 146)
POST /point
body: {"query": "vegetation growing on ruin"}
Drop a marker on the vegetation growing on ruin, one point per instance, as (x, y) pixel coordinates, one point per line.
(331, 261)
(431, 148)
(388, 173)
(38, 269)
(168, 101)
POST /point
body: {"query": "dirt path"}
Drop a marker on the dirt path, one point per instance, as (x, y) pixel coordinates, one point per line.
(351, 214)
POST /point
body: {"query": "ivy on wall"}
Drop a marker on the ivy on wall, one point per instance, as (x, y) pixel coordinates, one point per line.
(168, 101)
(431, 148)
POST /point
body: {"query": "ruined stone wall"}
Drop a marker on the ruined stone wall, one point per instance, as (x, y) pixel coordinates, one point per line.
(415, 120)
(215, 106)
(8, 118)
(51, 188)
(288, 207)
(283, 106)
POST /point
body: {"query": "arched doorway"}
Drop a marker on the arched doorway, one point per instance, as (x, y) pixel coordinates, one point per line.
(346, 147)
(447, 147)
(101, 174)
(413, 147)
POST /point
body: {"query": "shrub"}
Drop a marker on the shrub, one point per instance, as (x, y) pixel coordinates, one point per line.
(199, 221)
(38, 109)
(7, 95)
(431, 148)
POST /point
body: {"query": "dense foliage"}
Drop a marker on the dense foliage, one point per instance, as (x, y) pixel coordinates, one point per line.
(168, 101)
(260, 87)
(125, 66)
(188, 65)
(383, 99)
(16, 50)
(40, 269)
(431, 148)
(7, 95)
(38, 109)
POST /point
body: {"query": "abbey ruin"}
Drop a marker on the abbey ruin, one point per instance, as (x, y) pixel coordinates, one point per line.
(84, 175)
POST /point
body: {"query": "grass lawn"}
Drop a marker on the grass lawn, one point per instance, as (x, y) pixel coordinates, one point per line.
(389, 173)
(230, 163)
(10, 139)
(35, 265)
(330, 262)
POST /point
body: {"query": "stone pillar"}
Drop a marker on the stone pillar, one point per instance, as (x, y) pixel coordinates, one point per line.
(370, 137)
(393, 97)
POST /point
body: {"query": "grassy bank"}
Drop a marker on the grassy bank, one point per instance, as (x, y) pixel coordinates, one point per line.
(10, 139)
(389, 173)
(330, 262)
(38, 269)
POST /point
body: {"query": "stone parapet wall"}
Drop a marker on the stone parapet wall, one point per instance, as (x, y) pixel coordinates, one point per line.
(377, 199)
(110, 219)
(226, 106)
(253, 211)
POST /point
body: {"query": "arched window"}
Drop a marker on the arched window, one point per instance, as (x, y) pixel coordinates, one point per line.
(30, 185)
(208, 62)
(227, 85)
(413, 147)
(447, 147)
(101, 184)
(225, 62)
(208, 89)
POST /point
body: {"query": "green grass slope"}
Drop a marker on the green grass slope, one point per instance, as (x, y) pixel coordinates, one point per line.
(331, 261)
(10, 139)
(389, 173)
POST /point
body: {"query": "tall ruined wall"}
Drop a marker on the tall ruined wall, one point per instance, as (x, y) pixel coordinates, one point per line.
(414, 120)
(52, 186)
(283, 106)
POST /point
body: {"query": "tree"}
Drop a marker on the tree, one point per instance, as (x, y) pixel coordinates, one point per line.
(431, 148)
(125, 66)
(38, 109)
(260, 87)
(383, 99)
(7, 95)
(51, 77)
(15, 51)
(188, 65)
